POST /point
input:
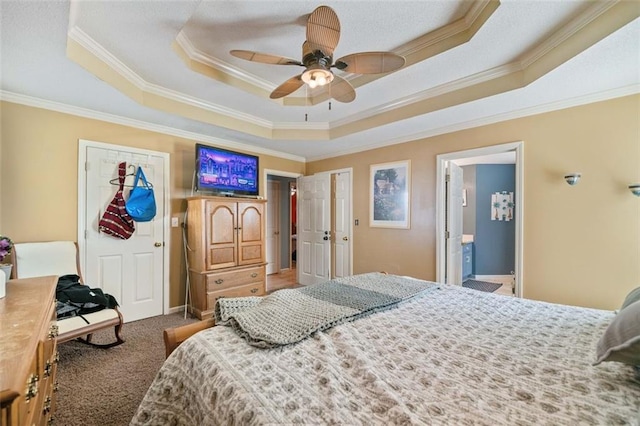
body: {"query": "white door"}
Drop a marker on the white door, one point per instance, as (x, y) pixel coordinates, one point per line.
(131, 270)
(273, 226)
(314, 221)
(454, 224)
(342, 225)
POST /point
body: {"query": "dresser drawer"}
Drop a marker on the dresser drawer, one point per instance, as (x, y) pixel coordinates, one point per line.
(255, 289)
(225, 280)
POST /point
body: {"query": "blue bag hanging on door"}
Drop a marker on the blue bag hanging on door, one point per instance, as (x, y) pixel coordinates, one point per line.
(141, 204)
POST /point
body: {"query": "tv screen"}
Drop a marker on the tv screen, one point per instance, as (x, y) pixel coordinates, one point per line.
(223, 172)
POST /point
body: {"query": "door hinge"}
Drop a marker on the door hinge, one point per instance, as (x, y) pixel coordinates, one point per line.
(85, 234)
(446, 234)
(447, 178)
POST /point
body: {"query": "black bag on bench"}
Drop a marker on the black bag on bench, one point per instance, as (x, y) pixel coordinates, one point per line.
(75, 298)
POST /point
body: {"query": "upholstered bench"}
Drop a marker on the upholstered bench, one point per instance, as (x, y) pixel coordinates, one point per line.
(61, 258)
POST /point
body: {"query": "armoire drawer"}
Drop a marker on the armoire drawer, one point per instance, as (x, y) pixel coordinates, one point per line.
(224, 280)
(255, 289)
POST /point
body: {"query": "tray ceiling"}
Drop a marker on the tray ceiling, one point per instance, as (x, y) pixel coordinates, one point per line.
(167, 65)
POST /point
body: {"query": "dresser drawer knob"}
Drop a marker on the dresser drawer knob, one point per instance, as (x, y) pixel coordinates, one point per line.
(53, 331)
(51, 420)
(32, 387)
(46, 406)
(254, 290)
(47, 369)
(56, 386)
(219, 281)
(255, 274)
(56, 357)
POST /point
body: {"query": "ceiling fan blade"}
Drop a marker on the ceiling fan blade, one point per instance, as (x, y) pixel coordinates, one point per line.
(370, 62)
(265, 58)
(323, 30)
(288, 87)
(341, 90)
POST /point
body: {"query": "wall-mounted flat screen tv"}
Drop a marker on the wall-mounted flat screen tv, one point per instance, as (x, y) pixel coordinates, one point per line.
(223, 172)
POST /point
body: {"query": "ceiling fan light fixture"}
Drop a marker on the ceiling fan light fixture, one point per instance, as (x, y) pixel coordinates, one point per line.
(315, 77)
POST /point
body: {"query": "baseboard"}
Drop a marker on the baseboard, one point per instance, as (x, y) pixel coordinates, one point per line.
(176, 309)
(492, 277)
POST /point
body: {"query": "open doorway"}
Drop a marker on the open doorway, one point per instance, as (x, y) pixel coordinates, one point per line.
(480, 193)
(280, 232)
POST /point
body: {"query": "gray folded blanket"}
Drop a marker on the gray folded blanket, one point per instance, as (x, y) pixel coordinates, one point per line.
(288, 316)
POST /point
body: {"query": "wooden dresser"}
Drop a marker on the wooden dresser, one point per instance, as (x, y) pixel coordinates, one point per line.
(226, 249)
(28, 352)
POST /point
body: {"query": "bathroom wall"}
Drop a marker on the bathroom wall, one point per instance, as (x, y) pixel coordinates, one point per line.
(494, 240)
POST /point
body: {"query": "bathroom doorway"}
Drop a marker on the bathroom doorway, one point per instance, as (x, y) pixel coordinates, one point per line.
(504, 150)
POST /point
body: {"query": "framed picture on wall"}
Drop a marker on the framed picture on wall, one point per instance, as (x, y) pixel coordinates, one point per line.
(390, 185)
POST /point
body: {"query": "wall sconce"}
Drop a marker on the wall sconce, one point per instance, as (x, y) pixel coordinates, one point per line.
(635, 189)
(573, 178)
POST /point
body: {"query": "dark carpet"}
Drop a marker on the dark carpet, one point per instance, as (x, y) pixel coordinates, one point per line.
(481, 285)
(105, 386)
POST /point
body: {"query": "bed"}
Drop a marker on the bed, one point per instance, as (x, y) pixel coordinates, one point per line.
(450, 355)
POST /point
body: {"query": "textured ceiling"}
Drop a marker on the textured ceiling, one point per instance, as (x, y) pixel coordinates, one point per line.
(166, 65)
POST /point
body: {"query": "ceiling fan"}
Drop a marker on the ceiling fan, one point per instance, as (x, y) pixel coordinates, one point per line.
(323, 34)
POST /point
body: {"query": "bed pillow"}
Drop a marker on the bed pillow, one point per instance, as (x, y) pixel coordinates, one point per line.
(633, 296)
(621, 340)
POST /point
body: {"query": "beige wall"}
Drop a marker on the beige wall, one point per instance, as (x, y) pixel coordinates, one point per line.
(581, 244)
(39, 178)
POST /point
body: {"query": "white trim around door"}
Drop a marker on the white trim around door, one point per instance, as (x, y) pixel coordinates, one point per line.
(441, 161)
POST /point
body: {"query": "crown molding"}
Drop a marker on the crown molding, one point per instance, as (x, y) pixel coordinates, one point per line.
(512, 115)
(564, 33)
(97, 50)
(306, 126)
(115, 119)
(138, 124)
(561, 46)
(440, 34)
(199, 56)
(462, 83)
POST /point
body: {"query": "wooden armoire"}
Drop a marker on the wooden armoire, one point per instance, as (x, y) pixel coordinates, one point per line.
(225, 249)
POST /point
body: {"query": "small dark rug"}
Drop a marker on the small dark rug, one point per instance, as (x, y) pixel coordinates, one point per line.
(481, 285)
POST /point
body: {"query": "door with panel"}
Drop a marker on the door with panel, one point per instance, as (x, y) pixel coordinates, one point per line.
(341, 224)
(454, 224)
(314, 222)
(131, 270)
(250, 233)
(273, 227)
(221, 237)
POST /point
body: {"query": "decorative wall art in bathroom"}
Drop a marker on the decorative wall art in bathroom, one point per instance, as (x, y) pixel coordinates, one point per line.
(502, 206)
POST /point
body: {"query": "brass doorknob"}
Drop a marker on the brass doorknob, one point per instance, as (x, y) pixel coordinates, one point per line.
(158, 244)
(345, 238)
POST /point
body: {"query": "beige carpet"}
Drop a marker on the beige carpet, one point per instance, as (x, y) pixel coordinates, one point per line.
(105, 386)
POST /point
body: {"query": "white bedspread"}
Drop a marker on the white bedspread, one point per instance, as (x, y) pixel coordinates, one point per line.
(453, 356)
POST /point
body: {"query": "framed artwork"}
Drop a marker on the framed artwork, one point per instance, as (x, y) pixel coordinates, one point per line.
(502, 206)
(390, 185)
